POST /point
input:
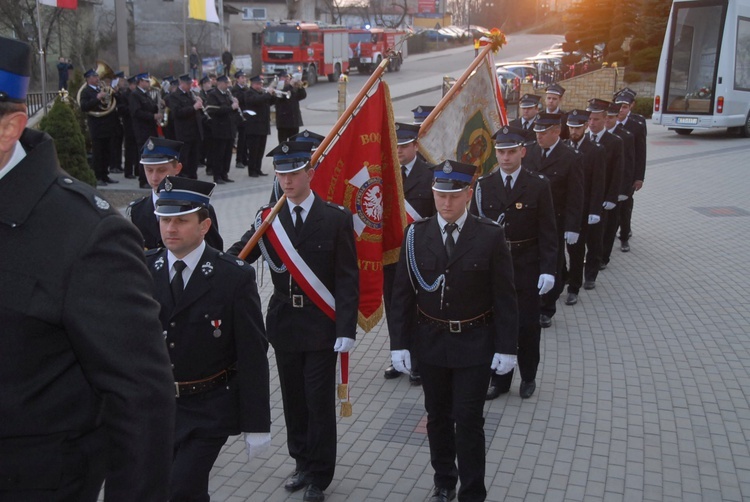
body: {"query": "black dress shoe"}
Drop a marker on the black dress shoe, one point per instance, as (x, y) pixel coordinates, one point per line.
(624, 246)
(209, 172)
(116, 170)
(545, 321)
(313, 494)
(391, 372)
(130, 176)
(101, 183)
(296, 481)
(109, 180)
(220, 181)
(261, 173)
(589, 285)
(227, 179)
(527, 389)
(572, 299)
(495, 391)
(144, 185)
(442, 494)
(252, 174)
(240, 165)
(415, 378)
(602, 266)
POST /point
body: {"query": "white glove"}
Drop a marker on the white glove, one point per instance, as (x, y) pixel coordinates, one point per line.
(546, 281)
(571, 237)
(257, 443)
(609, 206)
(594, 219)
(503, 363)
(343, 344)
(621, 198)
(401, 360)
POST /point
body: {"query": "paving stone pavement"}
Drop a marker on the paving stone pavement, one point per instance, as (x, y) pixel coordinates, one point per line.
(641, 390)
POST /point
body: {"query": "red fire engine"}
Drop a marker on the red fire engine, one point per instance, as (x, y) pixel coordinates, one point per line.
(310, 50)
(370, 46)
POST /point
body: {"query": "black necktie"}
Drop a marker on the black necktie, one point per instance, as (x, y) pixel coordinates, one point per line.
(450, 243)
(178, 284)
(403, 175)
(508, 180)
(545, 153)
(298, 220)
(526, 125)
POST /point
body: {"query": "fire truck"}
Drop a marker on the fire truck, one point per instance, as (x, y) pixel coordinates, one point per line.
(306, 50)
(370, 46)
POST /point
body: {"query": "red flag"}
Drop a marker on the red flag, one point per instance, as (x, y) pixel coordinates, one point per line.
(360, 171)
(62, 4)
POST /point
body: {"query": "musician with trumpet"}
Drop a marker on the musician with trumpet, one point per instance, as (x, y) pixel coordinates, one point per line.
(187, 113)
(98, 103)
(144, 112)
(288, 114)
(238, 91)
(257, 128)
(223, 109)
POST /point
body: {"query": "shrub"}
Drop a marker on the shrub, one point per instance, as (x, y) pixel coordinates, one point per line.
(638, 44)
(644, 106)
(61, 124)
(632, 76)
(646, 59)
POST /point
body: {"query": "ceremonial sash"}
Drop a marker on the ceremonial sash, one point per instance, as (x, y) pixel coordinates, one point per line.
(411, 214)
(312, 286)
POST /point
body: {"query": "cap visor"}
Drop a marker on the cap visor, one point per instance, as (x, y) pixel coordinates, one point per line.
(175, 210)
(441, 185)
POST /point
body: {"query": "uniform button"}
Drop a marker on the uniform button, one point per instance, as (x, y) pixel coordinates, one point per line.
(164, 332)
(172, 366)
(206, 316)
(447, 271)
(67, 181)
(172, 324)
(447, 288)
(171, 345)
(447, 304)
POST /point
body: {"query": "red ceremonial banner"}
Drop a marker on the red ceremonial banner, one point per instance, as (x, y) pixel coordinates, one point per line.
(360, 171)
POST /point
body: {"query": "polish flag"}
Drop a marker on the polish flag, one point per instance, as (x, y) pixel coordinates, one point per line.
(62, 4)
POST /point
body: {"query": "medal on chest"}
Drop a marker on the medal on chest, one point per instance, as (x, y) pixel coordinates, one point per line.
(216, 323)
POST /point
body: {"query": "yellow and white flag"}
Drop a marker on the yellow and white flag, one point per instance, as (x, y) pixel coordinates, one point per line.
(203, 10)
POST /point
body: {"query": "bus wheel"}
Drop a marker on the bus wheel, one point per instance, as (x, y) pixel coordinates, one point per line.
(745, 129)
(683, 132)
(312, 75)
(334, 77)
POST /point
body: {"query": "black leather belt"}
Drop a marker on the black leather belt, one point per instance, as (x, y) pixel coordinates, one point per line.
(458, 326)
(296, 301)
(204, 384)
(518, 245)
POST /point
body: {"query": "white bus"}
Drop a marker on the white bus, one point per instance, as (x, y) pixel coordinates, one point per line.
(703, 80)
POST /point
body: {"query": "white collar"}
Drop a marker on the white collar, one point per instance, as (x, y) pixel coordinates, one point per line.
(410, 165)
(192, 259)
(459, 222)
(18, 155)
(306, 205)
(513, 176)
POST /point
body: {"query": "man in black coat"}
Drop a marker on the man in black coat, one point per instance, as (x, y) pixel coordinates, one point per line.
(207, 144)
(455, 310)
(144, 113)
(529, 105)
(613, 147)
(416, 179)
(521, 201)
(102, 125)
(553, 96)
(288, 114)
(560, 164)
(312, 314)
(86, 394)
(238, 91)
(159, 158)
(213, 330)
(594, 161)
(123, 111)
(224, 110)
(258, 126)
(636, 124)
(187, 117)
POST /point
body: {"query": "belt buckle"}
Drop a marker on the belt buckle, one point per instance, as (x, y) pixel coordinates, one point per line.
(455, 326)
(298, 301)
(177, 389)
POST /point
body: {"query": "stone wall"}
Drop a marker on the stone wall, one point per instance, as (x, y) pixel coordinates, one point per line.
(600, 84)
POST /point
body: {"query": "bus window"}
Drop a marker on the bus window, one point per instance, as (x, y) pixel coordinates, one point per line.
(694, 51)
(742, 61)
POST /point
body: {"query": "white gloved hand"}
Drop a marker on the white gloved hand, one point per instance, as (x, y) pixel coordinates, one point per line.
(343, 344)
(503, 363)
(257, 443)
(594, 219)
(546, 281)
(401, 360)
(571, 237)
(621, 198)
(609, 206)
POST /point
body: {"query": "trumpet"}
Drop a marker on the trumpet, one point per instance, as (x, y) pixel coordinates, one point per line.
(278, 93)
(234, 100)
(197, 99)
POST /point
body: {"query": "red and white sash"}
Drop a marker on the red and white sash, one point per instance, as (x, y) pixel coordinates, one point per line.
(411, 214)
(300, 271)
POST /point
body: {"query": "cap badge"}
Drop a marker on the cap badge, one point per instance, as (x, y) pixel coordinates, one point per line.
(158, 264)
(150, 145)
(505, 130)
(397, 127)
(419, 109)
(285, 148)
(306, 134)
(168, 185)
(447, 168)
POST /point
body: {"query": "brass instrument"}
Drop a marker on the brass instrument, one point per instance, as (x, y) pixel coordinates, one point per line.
(109, 102)
(197, 99)
(242, 115)
(297, 81)
(155, 94)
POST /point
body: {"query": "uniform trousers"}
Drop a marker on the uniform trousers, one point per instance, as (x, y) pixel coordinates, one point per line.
(115, 161)
(626, 213)
(529, 339)
(577, 255)
(389, 274)
(454, 401)
(222, 157)
(191, 466)
(241, 157)
(101, 150)
(549, 299)
(594, 250)
(308, 385)
(611, 222)
(256, 148)
(285, 133)
(189, 159)
(132, 157)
